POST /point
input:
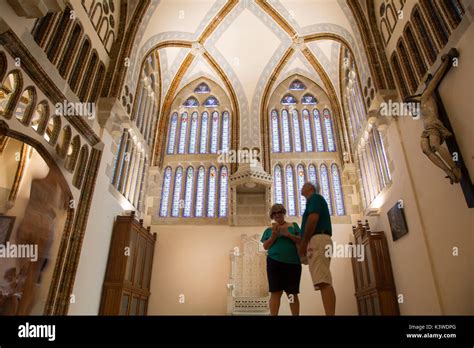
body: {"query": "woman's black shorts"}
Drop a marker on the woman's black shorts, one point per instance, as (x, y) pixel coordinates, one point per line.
(283, 276)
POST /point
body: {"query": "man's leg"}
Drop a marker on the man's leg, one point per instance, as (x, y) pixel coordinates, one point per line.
(294, 304)
(329, 298)
(275, 302)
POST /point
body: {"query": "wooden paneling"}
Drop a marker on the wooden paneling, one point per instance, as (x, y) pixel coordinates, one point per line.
(127, 280)
(373, 277)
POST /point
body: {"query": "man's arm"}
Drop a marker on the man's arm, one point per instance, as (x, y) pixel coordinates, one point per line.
(311, 224)
(310, 227)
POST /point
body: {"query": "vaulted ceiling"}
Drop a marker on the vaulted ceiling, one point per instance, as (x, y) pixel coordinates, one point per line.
(247, 47)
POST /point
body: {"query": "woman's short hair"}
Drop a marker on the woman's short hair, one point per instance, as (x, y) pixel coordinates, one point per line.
(277, 208)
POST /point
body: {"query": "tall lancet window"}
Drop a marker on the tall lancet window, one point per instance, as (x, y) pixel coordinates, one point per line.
(301, 178)
(286, 131)
(199, 129)
(193, 133)
(130, 165)
(200, 192)
(307, 130)
(225, 131)
(172, 133)
(211, 199)
(182, 133)
(204, 131)
(312, 174)
(178, 179)
(290, 191)
(278, 184)
(329, 130)
(188, 193)
(301, 136)
(337, 189)
(318, 130)
(275, 131)
(223, 192)
(214, 131)
(165, 194)
(325, 190)
(296, 130)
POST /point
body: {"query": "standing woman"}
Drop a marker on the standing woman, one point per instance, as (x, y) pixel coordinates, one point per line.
(283, 262)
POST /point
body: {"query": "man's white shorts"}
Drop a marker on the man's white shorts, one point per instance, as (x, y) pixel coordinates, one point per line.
(318, 262)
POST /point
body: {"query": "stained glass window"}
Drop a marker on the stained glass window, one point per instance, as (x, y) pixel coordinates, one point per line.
(318, 131)
(183, 132)
(204, 127)
(337, 189)
(312, 175)
(286, 131)
(296, 130)
(172, 134)
(211, 191)
(307, 131)
(191, 102)
(353, 117)
(297, 85)
(278, 184)
(188, 193)
(288, 100)
(301, 180)
(360, 103)
(193, 133)
(178, 178)
(214, 131)
(309, 99)
(290, 191)
(211, 102)
(223, 192)
(329, 130)
(165, 193)
(202, 88)
(275, 131)
(200, 192)
(225, 131)
(384, 155)
(323, 171)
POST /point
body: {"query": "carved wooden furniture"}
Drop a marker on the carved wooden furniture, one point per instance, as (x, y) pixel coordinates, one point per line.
(127, 280)
(373, 277)
(248, 286)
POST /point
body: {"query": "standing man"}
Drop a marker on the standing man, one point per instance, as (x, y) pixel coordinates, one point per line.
(316, 233)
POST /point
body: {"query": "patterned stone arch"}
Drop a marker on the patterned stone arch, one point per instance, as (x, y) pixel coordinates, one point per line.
(3, 65)
(72, 45)
(40, 117)
(81, 167)
(25, 105)
(72, 154)
(13, 81)
(63, 142)
(52, 130)
(96, 15)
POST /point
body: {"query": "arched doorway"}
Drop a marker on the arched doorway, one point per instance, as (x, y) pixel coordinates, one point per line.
(35, 220)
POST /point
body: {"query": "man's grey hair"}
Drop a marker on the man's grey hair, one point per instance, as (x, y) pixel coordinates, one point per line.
(315, 186)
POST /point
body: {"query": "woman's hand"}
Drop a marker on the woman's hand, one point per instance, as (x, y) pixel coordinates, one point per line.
(284, 232)
(275, 230)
